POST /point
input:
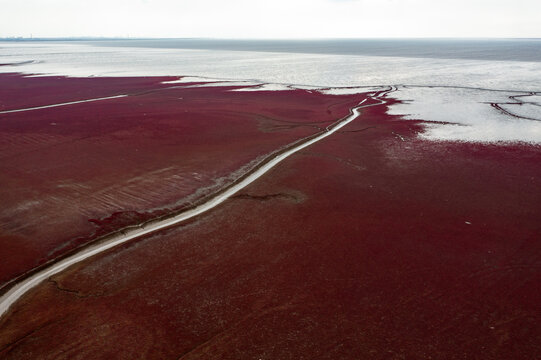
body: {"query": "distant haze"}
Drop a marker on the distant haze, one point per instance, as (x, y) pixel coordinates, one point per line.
(270, 19)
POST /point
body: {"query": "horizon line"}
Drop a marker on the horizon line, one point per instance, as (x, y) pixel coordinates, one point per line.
(82, 38)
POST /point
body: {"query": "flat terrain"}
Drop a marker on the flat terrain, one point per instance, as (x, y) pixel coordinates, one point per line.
(73, 173)
(371, 244)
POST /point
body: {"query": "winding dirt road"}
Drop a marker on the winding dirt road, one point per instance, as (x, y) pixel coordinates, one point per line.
(15, 290)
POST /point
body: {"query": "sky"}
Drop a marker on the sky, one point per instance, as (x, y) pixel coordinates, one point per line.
(270, 18)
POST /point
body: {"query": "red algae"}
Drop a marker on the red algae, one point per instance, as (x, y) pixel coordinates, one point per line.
(18, 91)
(74, 173)
(371, 244)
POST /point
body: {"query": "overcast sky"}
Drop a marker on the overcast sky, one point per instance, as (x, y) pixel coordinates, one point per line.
(271, 18)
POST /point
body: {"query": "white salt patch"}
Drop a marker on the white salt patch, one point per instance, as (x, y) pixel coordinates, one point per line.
(469, 112)
(266, 87)
(192, 79)
(306, 87)
(225, 83)
(498, 131)
(349, 91)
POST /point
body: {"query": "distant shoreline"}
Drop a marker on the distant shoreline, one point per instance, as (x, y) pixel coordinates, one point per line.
(79, 38)
(492, 49)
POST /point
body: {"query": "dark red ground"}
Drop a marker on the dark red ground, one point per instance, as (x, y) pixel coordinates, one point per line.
(70, 174)
(362, 246)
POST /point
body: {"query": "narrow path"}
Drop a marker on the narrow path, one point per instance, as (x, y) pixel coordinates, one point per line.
(61, 104)
(31, 280)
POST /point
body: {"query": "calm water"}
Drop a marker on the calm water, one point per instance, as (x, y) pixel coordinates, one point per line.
(501, 50)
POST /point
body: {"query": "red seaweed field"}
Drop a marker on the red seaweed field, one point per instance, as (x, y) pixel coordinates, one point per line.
(72, 173)
(369, 244)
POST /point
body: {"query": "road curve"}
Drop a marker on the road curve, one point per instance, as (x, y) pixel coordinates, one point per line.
(19, 288)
